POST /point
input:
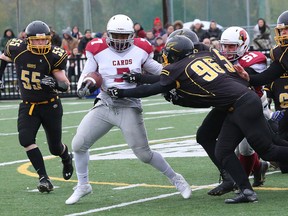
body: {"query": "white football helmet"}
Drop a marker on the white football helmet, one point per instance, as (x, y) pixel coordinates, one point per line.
(236, 36)
(120, 24)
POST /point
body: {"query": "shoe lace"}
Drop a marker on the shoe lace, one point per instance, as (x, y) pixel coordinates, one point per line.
(179, 183)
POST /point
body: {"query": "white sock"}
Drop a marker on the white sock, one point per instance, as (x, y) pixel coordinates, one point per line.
(81, 164)
(159, 163)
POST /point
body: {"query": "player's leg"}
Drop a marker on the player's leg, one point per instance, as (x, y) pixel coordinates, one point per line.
(207, 135)
(134, 131)
(252, 163)
(28, 125)
(93, 126)
(51, 115)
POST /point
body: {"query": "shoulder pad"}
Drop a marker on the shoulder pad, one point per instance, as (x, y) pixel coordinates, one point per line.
(143, 44)
(96, 45)
(59, 57)
(275, 53)
(13, 45)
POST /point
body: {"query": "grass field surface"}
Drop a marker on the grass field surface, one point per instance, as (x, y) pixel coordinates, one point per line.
(122, 185)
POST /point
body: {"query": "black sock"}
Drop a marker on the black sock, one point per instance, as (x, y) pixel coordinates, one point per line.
(37, 161)
(65, 154)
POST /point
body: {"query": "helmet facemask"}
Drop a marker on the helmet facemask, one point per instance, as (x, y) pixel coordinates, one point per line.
(231, 55)
(120, 43)
(39, 49)
(281, 40)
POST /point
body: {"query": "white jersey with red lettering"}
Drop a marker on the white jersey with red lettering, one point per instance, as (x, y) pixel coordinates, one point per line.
(112, 65)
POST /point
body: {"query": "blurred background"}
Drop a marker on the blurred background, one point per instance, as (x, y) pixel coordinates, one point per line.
(94, 14)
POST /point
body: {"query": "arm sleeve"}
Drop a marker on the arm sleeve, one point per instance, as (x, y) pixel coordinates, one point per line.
(146, 90)
(149, 79)
(269, 75)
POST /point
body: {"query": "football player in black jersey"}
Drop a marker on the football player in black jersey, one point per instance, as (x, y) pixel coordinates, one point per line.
(278, 67)
(209, 130)
(278, 54)
(203, 78)
(40, 70)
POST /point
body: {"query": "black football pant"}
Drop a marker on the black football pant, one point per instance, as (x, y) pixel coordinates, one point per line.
(208, 133)
(49, 116)
(246, 120)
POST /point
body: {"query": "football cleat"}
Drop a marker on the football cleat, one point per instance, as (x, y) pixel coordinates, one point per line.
(227, 185)
(244, 196)
(259, 177)
(182, 186)
(45, 185)
(68, 167)
(79, 192)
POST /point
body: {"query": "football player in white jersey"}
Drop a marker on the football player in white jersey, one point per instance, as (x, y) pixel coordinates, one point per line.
(112, 57)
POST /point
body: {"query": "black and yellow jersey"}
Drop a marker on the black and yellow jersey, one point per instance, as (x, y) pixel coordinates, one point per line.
(207, 77)
(280, 54)
(31, 68)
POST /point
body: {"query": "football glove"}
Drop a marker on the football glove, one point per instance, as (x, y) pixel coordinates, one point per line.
(277, 115)
(114, 92)
(48, 81)
(84, 90)
(173, 97)
(52, 83)
(132, 77)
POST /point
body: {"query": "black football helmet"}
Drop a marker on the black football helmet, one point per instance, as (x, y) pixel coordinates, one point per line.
(186, 32)
(38, 30)
(282, 23)
(177, 48)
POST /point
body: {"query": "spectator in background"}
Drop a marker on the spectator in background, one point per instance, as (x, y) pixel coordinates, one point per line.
(55, 38)
(197, 27)
(214, 31)
(178, 24)
(76, 33)
(22, 35)
(72, 65)
(169, 30)
(215, 43)
(159, 44)
(158, 29)
(262, 35)
(150, 37)
(8, 34)
(84, 40)
(104, 34)
(68, 42)
(207, 42)
(139, 31)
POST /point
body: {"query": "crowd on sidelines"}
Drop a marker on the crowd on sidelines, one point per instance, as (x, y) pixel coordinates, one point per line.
(225, 75)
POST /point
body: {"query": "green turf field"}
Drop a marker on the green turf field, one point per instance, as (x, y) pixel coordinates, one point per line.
(122, 185)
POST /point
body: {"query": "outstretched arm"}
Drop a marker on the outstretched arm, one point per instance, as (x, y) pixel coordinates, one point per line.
(140, 91)
(274, 71)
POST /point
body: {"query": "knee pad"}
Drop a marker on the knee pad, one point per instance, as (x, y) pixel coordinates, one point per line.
(25, 139)
(78, 141)
(56, 149)
(143, 154)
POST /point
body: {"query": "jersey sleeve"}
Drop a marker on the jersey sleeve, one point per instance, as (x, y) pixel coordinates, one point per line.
(59, 58)
(12, 46)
